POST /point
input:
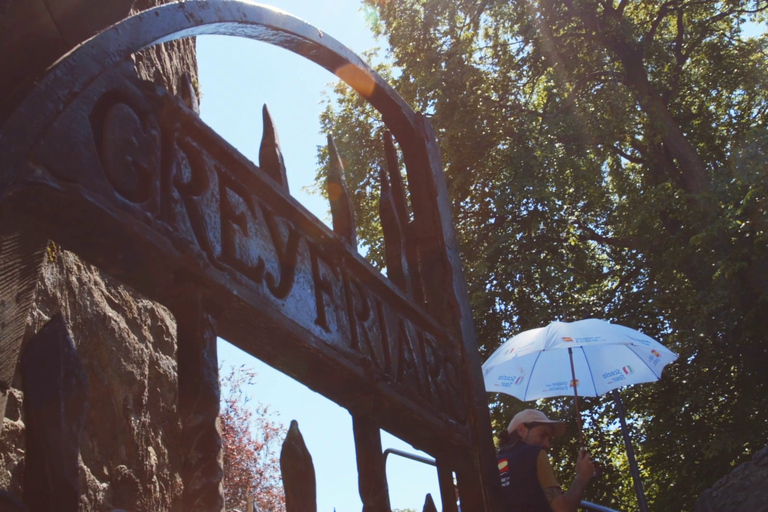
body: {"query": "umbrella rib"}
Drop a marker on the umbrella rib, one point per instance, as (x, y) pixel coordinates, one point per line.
(525, 395)
(632, 348)
(589, 367)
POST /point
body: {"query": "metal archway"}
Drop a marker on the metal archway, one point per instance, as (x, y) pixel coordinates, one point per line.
(195, 18)
(134, 182)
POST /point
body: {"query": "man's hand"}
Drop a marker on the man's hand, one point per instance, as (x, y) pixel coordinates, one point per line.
(570, 500)
(585, 468)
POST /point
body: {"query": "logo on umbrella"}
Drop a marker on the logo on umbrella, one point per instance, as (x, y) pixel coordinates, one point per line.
(655, 352)
(511, 380)
(575, 383)
(616, 376)
(567, 339)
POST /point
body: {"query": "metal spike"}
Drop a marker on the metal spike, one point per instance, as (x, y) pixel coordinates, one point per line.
(342, 212)
(298, 472)
(189, 94)
(397, 268)
(270, 157)
(429, 504)
(407, 226)
(398, 189)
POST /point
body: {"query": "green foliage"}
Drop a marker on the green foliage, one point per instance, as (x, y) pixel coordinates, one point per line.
(607, 159)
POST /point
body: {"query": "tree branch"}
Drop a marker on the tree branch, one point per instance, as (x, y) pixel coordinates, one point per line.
(622, 6)
(578, 87)
(626, 156)
(664, 10)
(590, 235)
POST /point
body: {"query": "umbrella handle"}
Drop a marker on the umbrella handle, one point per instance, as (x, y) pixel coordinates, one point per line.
(574, 383)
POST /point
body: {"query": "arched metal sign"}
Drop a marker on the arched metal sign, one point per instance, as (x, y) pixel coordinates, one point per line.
(130, 178)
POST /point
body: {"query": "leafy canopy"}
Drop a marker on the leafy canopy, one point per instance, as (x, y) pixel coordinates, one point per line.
(605, 158)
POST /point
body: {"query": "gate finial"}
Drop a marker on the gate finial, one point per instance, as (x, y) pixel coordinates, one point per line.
(398, 190)
(391, 224)
(270, 157)
(298, 473)
(413, 274)
(429, 504)
(341, 205)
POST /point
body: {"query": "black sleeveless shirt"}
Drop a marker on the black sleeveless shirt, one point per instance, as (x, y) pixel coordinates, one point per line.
(520, 487)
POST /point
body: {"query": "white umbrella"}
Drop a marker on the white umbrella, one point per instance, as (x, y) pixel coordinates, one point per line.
(537, 363)
(587, 357)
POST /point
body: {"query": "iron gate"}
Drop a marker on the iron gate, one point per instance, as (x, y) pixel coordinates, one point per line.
(129, 178)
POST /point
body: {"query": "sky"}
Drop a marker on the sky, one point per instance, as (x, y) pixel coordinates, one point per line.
(237, 76)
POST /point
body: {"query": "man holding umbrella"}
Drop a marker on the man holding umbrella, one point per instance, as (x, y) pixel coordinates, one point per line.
(588, 357)
(528, 481)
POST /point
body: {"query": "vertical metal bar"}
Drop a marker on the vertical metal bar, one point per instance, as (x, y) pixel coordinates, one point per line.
(633, 469)
(372, 476)
(398, 190)
(448, 490)
(199, 395)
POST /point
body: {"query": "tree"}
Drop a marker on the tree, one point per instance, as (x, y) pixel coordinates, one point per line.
(604, 158)
(251, 449)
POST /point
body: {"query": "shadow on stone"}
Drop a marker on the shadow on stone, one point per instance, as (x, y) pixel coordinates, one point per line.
(55, 386)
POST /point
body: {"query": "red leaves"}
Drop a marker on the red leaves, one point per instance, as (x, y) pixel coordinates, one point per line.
(252, 440)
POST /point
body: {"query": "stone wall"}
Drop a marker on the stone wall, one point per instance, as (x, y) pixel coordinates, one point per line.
(745, 489)
(127, 346)
(127, 343)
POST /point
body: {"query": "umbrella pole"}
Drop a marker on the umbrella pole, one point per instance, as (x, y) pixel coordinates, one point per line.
(576, 396)
(633, 469)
